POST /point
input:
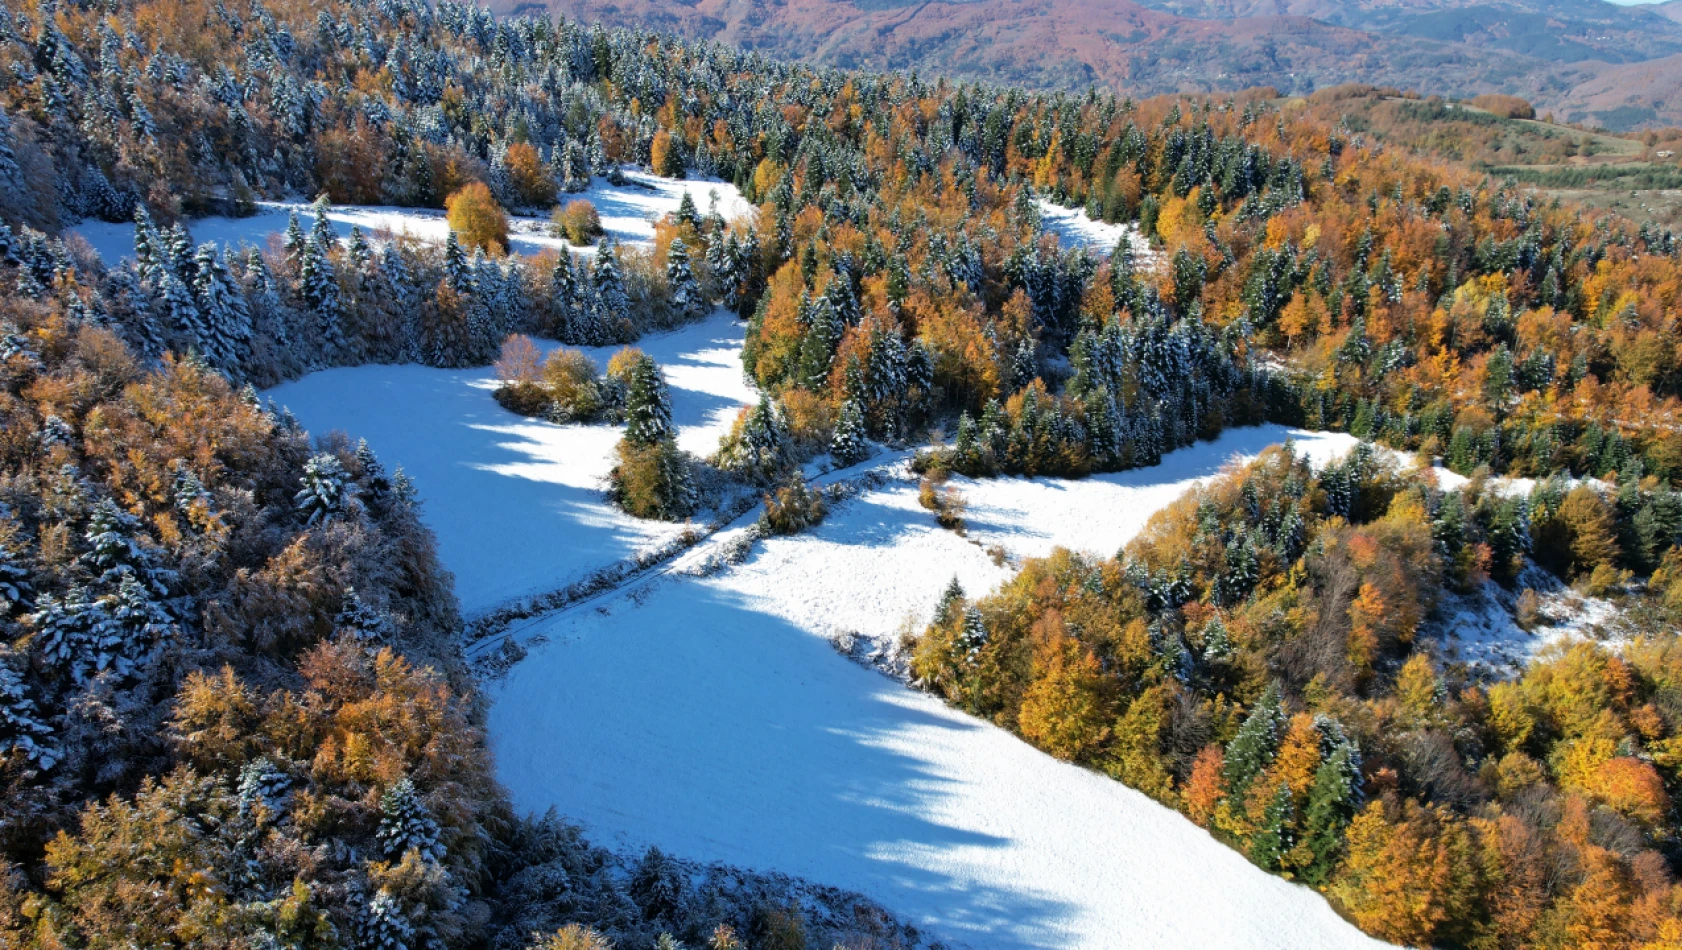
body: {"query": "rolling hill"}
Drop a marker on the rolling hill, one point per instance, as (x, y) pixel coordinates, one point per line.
(1296, 46)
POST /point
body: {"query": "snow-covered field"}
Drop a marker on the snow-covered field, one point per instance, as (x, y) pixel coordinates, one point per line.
(628, 213)
(1479, 629)
(517, 503)
(711, 715)
(1074, 227)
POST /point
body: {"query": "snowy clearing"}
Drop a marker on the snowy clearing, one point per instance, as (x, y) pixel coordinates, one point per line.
(711, 717)
(1480, 630)
(1074, 227)
(517, 503)
(628, 213)
(880, 562)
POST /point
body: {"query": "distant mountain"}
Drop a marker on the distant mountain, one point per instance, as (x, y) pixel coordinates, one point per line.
(1673, 10)
(1556, 30)
(1296, 46)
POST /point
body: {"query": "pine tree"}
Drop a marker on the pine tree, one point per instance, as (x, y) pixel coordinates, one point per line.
(1332, 803)
(326, 490)
(114, 551)
(758, 448)
(656, 886)
(262, 783)
(405, 824)
(226, 323)
(386, 927)
(21, 730)
(1252, 749)
(849, 445)
(687, 215)
(613, 304)
(293, 242)
(458, 273)
(974, 635)
(648, 406)
(817, 347)
(1273, 839)
(359, 619)
(950, 600)
(688, 302)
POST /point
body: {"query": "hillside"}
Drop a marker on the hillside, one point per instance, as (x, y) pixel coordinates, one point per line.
(1122, 46)
(1314, 499)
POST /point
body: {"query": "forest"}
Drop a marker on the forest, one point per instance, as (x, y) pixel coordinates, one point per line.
(230, 672)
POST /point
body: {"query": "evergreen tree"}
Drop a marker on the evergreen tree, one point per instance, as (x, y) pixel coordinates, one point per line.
(386, 927)
(1273, 839)
(359, 619)
(758, 449)
(1332, 803)
(613, 304)
(21, 730)
(648, 406)
(326, 490)
(657, 886)
(262, 783)
(950, 600)
(849, 445)
(1252, 749)
(974, 635)
(225, 331)
(405, 824)
(458, 273)
(688, 302)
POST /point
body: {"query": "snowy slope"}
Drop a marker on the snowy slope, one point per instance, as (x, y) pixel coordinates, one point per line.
(517, 503)
(709, 716)
(627, 213)
(880, 562)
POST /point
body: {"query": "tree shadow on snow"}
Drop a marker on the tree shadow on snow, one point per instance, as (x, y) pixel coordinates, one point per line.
(699, 723)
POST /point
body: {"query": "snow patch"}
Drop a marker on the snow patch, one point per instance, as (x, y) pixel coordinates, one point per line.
(1075, 228)
(1480, 628)
(517, 503)
(628, 213)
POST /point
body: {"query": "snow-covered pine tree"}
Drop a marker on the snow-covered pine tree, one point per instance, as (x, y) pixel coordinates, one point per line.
(648, 406)
(386, 927)
(359, 619)
(1252, 749)
(1274, 838)
(262, 783)
(688, 302)
(974, 635)
(114, 550)
(406, 825)
(226, 319)
(22, 732)
(950, 600)
(758, 448)
(293, 241)
(687, 215)
(458, 272)
(326, 491)
(612, 303)
(849, 445)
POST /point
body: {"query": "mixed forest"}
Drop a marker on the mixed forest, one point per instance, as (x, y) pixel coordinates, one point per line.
(232, 708)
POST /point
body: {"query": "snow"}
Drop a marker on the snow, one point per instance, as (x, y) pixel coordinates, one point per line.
(1073, 226)
(880, 562)
(712, 716)
(517, 503)
(628, 213)
(1480, 628)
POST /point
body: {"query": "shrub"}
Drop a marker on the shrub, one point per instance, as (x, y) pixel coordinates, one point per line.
(578, 222)
(1528, 612)
(518, 362)
(1507, 107)
(523, 398)
(576, 391)
(945, 501)
(477, 219)
(794, 506)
